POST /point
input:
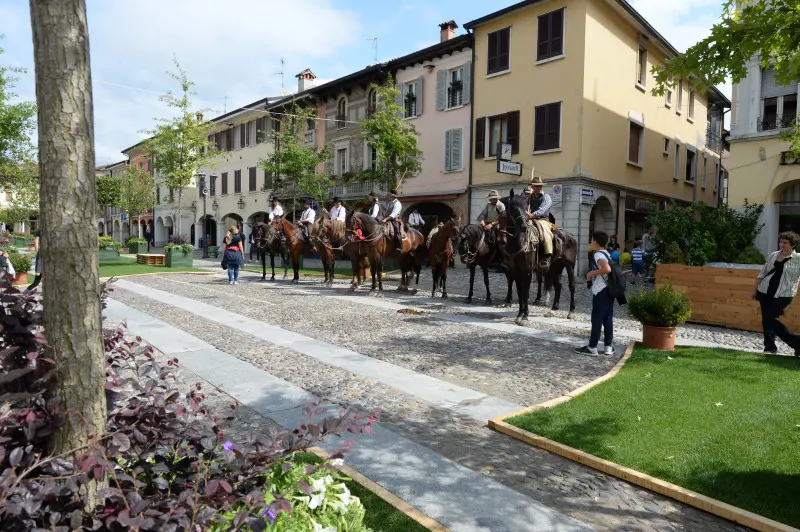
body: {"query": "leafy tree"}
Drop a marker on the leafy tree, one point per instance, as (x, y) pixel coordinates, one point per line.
(137, 193)
(16, 125)
(179, 145)
(292, 162)
(108, 191)
(765, 29)
(394, 139)
(25, 194)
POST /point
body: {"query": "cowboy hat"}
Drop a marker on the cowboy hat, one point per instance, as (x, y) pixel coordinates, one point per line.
(336, 199)
(536, 180)
(528, 190)
(274, 198)
(493, 195)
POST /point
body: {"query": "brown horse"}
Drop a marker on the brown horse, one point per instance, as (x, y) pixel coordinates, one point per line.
(294, 245)
(440, 253)
(330, 236)
(379, 245)
(268, 241)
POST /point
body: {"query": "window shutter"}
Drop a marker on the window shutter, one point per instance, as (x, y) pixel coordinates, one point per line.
(491, 54)
(441, 90)
(224, 182)
(543, 46)
(770, 87)
(418, 83)
(553, 126)
(513, 130)
(539, 121)
(480, 138)
(504, 49)
(242, 136)
(252, 178)
(466, 82)
(455, 151)
(448, 156)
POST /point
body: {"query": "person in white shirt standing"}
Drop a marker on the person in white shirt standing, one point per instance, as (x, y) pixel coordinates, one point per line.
(394, 218)
(415, 221)
(276, 211)
(306, 220)
(374, 208)
(602, 300)
(338, 212)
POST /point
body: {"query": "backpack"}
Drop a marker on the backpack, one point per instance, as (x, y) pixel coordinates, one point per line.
(616, 278)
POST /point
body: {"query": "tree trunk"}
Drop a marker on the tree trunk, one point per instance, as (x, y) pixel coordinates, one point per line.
(68, 206)
(180, 209)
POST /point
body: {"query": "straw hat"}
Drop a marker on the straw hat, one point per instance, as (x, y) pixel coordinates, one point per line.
(528, 190)
(493, 195)
(536, 180)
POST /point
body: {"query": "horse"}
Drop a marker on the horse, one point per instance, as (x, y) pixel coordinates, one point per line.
(268, 240)
(520, 243)
(440, 253)
(565, 254)
(475, 250)
(294, 245)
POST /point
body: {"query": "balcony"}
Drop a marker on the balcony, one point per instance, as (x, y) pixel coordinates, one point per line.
(341, 122)
(714, 142)
(776, 122)
(358, 189)
(310, 137)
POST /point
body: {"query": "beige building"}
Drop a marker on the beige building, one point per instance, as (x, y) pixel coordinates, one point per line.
(567, 84)
(760, 169)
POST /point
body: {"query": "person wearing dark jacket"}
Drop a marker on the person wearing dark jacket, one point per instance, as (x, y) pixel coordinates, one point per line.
(234, 255)
(776, 286)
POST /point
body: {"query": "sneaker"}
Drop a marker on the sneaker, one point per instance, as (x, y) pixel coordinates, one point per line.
(586, 350)
(773, 352)
(230, 282)
(609, 351)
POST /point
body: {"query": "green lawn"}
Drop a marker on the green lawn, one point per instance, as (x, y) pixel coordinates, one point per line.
(722, 423)
(127, 266)
(380, 515)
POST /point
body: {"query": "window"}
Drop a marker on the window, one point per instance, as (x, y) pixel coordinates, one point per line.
(551, 35)
(261, 129)
(267, 179)
(341, 114)
(453, 141)
(716, 176)
(237, 181)
(789, 113)
(371, 157)
(341, 161)
(251, 178)
(679, 110)
(691, 165)
(242, 135)
(224, 183)
(547, 127)
(501, 128)
(410, 94)
(705, 169)
(779, 102)
(668, 94)
(229, 139)
(498, 58)
(372, 102)
(635, 143)
(455, 88)
(677, 173)
(690, 116)
(641, 67)
(158, 195)
(141, 166)
(213, 189)
(172, 195)
(666, 146)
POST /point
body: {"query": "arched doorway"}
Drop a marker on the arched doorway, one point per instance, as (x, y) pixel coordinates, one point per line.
(209, 229)
(126, 231)
(160, 236)
(169, 226)
(432, 212)
(788, 202)
(602, 218)
(255, 218)
(230, 220)
(101, 228)
(115, 232)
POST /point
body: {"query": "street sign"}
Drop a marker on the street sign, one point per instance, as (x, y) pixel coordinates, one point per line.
(557, 196)
(124, 218)
(587, 196)
(508, 167)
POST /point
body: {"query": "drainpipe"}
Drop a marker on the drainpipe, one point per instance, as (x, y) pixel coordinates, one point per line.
(470, 128)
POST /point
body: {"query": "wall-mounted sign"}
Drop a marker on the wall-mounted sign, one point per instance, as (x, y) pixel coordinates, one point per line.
(587, 196)
(508, 167)
(557, 196)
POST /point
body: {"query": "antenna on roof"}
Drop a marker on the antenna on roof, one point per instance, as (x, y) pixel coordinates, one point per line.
(375, 47)
(283, 86)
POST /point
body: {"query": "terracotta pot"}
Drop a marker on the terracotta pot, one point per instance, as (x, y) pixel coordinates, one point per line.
(21, 278)
(662, 338)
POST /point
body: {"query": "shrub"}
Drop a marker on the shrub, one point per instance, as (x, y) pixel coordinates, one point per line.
(750, 255)
(136, 240)
(107, 242)
(625, 258)
(665, 307)
(186, 248)
(162, 458)
(177, 239)
(22, 263)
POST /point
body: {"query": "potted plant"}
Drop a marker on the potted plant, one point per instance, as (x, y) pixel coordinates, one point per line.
(108, 249)
(21, 263)
(136, 244)
(179, 253)
(660, 312)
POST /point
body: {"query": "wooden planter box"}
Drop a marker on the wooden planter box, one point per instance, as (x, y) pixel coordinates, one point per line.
(108, 256)
(722, 296)
(179, 259)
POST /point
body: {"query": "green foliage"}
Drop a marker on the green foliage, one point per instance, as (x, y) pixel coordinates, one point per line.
(697, 234)
(750, 255)
(22, 263)
(107, 242)
(394, 139)
(665, 307)
(17, 123)
(186, 248)
(135, 240)
(767, 29)
(25, 193)
(292, 162)
(137, 194)
(108, 191)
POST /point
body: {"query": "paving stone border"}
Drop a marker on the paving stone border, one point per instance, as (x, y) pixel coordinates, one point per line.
(692, 498)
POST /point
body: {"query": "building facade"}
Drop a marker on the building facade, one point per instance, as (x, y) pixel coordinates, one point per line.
(112, 221)
(567, 85)
(760, 169)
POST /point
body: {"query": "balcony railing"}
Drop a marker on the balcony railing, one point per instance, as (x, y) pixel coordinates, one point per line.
(358, 189)
(311, 137)
(771, 123)
(714, 142)
(455, 97)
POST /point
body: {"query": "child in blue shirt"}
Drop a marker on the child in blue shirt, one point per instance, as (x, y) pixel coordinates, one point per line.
(637, 261)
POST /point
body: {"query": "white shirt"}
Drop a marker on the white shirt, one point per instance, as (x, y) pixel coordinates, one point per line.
(396, 208)
(598, 282)
(274, 212)
(308, 215)
(338, 213)
(374, 210)
(415, 219)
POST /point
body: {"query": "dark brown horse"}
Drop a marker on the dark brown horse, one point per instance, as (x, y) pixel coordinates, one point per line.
(476, 248)
(294, 245)
(440, 253)
(268, 241)
(330, 236)
(565, 254)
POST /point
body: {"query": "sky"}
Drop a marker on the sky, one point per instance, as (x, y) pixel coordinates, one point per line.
(232, 49)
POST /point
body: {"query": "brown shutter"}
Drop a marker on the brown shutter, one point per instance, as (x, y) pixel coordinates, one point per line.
(224, 183)
(503, 49)
(237, 181)
(513, 130)
(480, 138)
(539, 123)
(252, 178)
(491, 54)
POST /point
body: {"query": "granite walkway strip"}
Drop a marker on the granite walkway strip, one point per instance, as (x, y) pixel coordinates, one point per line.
(456, 496)
(439, 393)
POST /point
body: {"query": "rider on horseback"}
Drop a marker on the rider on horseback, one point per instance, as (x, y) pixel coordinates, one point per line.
(394, 218)
(490, 215)
(306, 219)
(539, 211)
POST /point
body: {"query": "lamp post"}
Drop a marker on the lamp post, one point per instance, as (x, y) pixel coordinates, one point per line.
(201, 177)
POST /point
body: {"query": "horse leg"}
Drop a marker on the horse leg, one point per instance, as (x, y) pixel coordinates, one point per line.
(285, 262)
(296, 266)
(522, 296)
(435, 275)
(571, 283)
(445, 265)
(510, 281)
(380, 275)
(539, 288)
(485, 269)
(471, 281)
(263, 257)
(554, 278)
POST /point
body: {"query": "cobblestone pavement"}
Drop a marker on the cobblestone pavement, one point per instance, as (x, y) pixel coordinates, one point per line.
(515, 368)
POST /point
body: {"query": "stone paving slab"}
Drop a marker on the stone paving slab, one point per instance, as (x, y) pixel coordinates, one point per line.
(450, 493)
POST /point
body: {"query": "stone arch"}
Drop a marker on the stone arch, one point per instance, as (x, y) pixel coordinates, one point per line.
(116, 232)
(602, 217)
(160, 236)
(101, 227)
(431, 211)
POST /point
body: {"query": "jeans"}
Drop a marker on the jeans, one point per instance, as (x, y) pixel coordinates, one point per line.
(233, 272)
(637, 268)
(771, 309)
(602, 317)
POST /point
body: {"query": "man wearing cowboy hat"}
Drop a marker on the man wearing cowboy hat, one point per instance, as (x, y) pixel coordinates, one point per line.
(307, 219)
(494, 209)
(539, 211)
(415, 220)
(374, 207)
(338, 212)
(394, 218)
(276, 211)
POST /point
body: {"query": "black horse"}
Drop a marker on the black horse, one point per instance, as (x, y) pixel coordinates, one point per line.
(476, 247)
(268, 240)
(565, 259)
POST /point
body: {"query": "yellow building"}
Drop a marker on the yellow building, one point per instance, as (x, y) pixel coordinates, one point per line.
(567, 84)
(760, 169)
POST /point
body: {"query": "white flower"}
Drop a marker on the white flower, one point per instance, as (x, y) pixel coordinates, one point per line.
(318, 484)
(316, 500)
(337, 462)
(319, 528)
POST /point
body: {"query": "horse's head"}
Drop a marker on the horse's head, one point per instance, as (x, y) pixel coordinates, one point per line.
(514, 225)
(454, 225)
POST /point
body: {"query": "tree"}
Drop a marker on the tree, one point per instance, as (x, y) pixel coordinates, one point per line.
(292, 162)
(137, 192)
(765, 29)
(16, 126)
(25, 194)
(394, 139)
(108, 191)
(179, 145)
(68, 218)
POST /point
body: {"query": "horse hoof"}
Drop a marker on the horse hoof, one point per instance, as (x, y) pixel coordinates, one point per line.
(469, 301)
(518, 320)
(488, 300)
(571, 315)
(444, 295)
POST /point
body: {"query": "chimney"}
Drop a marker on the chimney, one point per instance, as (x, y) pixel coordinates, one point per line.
(448, 30)
(305, 80)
